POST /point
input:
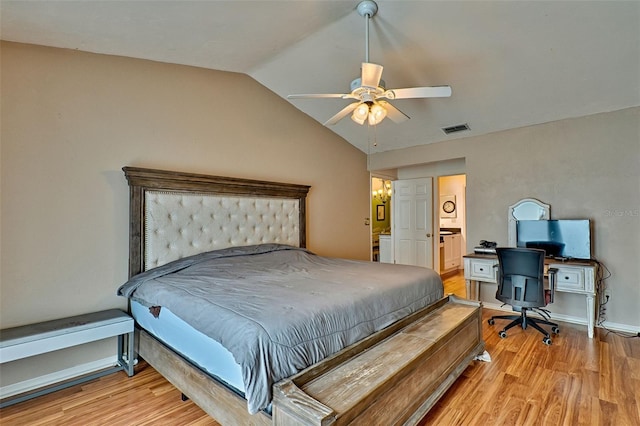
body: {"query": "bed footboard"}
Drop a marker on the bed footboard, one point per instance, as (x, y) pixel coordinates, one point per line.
(391, 381)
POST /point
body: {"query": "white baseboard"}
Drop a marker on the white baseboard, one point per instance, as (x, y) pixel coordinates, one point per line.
(625, 328)
(57, 377)
(614, 326)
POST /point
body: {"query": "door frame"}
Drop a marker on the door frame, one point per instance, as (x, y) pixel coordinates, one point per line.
(393, 175)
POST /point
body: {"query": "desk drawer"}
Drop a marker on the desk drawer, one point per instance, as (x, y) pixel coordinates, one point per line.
(570, 279)
(481, 270)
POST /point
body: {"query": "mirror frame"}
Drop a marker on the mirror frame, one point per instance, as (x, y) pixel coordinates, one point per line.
(525, 209)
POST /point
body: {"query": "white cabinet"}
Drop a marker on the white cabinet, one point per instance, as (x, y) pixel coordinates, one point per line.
(452, 251)
(385, 249)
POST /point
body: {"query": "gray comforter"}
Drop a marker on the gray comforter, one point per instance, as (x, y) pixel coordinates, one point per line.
(279, 309)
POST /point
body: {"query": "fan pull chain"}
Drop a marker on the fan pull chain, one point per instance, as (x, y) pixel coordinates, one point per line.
(372, 141)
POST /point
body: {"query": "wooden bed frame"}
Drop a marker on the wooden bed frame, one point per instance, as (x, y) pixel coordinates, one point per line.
(392, 377)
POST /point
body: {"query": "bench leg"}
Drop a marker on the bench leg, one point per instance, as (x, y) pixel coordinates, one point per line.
(128, 364)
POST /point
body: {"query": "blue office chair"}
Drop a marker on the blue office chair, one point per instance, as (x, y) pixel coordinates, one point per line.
(521, 284)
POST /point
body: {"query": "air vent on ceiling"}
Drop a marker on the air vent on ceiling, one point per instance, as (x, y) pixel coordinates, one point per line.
(455, 129)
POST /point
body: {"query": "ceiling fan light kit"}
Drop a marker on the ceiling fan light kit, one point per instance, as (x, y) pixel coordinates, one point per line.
(377, 113)
(369, 90)
(360, 113)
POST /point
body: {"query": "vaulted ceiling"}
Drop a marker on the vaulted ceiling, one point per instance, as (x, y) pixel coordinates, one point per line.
(510, 63)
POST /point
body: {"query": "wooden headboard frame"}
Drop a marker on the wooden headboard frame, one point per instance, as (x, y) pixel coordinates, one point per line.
(142, 180)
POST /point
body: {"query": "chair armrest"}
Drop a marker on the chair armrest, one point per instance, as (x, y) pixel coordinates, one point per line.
(552, 282)
(496, 268)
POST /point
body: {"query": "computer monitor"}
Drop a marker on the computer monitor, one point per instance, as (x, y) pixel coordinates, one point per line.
(568, 238)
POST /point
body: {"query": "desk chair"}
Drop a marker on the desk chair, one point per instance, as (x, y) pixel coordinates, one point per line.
(521, 284)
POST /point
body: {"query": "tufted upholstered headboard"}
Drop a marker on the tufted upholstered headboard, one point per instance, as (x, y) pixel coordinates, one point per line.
(174, 215)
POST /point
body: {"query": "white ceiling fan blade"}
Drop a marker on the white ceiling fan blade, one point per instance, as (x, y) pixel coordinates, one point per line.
(342, 114)
(394, 113)
(371, 75)
(419, 92)
(317, 95)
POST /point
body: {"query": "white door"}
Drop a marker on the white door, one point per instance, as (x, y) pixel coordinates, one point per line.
(413, 222)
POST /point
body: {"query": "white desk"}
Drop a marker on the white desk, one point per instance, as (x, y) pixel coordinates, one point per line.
(573, 277)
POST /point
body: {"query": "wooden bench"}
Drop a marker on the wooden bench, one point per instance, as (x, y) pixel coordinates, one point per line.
(395, 381)
(35, 339)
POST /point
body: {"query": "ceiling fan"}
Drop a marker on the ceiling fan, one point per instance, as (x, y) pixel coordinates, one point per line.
(369, 90)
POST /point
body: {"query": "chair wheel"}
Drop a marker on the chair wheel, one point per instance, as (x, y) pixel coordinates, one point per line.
(491, 321)
(555, 330)
(547, 341)
(502, 334)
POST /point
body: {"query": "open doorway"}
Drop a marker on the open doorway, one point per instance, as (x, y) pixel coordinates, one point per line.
(380, 218)
(452, 223)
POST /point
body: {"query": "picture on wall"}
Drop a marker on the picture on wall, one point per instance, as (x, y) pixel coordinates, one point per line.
(380, 212)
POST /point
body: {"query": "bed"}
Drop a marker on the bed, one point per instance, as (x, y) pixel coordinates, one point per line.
(330, 341)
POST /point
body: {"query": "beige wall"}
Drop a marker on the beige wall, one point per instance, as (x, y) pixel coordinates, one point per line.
(72, 120)
(586, 167)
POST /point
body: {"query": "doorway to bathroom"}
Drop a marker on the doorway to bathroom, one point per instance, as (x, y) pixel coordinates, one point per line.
(452, 223)
(381, 194)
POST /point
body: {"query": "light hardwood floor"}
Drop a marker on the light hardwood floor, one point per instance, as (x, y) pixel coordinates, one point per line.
(575, 381)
